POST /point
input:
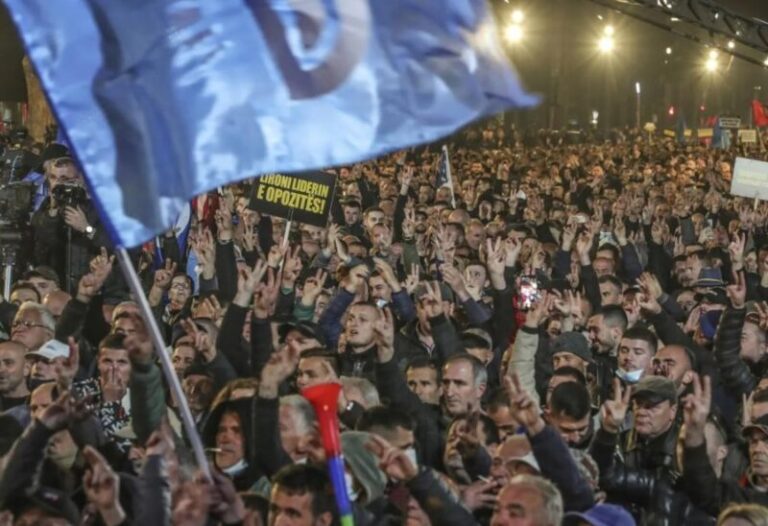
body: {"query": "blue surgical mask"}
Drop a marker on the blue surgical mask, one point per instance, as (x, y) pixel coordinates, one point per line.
(630, 377)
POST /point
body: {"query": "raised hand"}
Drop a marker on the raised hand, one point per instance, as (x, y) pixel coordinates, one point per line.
(90, 284)
(392, 461)
(113, 386)
(737, 291)
(355, 279)
(535, 316)
(63, 410)
(163, 276)
(696, 407)
(200, 340)
(620, 230)
(481, 494)
(102, 487)
(313, 286)
(75, 218)
(139, 344)
(384, 329)
(412, 279)
(388, 274)
(226, 503)
(280, 367)
(584, 246)
(614, 410)
(205, 250)
(223, 220)
(523, 407)
(247, 282)
(569, 236)
(265, 296)
(409, 224)
(736, 251)
(291, 267)
(432, 300)
(67, 368)
(455, 280)
(512, 249)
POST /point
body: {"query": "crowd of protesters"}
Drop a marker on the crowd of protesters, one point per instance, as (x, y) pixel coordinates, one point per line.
(576, 334)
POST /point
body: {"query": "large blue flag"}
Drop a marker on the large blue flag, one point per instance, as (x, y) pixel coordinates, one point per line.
(166, 99)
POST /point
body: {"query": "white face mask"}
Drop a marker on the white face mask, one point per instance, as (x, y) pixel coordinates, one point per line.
(411, 454)
(352, 493)
(630, 377)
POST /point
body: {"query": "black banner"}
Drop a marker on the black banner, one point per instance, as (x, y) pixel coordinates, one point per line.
(305, 197)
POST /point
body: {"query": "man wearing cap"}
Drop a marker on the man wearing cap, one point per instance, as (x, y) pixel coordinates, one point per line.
(56, 226)
(479, 344)
(43, 362)
(647, 448)
(571, 349)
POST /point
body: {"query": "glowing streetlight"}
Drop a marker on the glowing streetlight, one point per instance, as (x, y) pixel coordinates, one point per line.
(712, 54)
(609, 31)
(731, 44)
(518, 16)
(765, 61)
(711, 64)
(637, 88)
(668, 51)
(605, 44)
(514, 33)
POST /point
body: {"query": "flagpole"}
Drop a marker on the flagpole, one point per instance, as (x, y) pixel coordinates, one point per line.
(170, 375)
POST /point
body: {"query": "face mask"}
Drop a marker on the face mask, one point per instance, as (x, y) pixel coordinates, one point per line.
(411, 454)
(349, 480)
(630, 377)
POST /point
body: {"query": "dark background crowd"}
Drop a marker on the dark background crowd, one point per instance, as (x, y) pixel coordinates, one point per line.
(576, 334)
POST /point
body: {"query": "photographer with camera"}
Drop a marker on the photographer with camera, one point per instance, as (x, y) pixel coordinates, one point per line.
(66, 228)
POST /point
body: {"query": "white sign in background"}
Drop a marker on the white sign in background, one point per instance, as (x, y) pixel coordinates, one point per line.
(750, 178)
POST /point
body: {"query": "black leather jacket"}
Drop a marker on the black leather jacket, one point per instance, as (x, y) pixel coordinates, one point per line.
(642, 476)
(735, 374)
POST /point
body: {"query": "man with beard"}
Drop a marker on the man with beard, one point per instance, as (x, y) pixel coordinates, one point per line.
(13, 374)
(605, 330)
(569, 412)
(676, 363)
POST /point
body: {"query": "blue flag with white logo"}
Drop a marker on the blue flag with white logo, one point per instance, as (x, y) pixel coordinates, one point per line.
(165, 99)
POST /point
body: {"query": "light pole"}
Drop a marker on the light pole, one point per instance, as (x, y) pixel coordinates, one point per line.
(637, 105)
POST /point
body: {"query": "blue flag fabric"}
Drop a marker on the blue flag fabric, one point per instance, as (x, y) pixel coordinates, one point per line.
(680, 129)
(165, 99)
(721, 139)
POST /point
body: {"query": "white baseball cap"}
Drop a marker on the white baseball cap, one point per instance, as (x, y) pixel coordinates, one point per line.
(51, 350)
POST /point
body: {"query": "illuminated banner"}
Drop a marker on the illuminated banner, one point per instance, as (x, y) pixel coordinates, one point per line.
(305, 197)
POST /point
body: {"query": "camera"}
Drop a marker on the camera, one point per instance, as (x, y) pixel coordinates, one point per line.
(16, 203)
(69, 194)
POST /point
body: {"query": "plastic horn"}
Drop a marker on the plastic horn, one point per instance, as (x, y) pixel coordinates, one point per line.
(324, 398)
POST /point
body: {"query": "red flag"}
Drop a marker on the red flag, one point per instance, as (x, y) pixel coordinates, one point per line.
(759, 113)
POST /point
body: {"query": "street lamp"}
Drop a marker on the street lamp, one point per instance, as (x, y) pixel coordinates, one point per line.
(606, 43)
(513, 33)
(637, 106)
(518, 16)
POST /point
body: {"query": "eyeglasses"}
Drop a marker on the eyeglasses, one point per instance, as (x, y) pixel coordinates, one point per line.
(27, 324)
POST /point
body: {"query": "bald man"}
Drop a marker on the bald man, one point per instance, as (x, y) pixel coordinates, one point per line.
(674, 362)
(13, 375)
